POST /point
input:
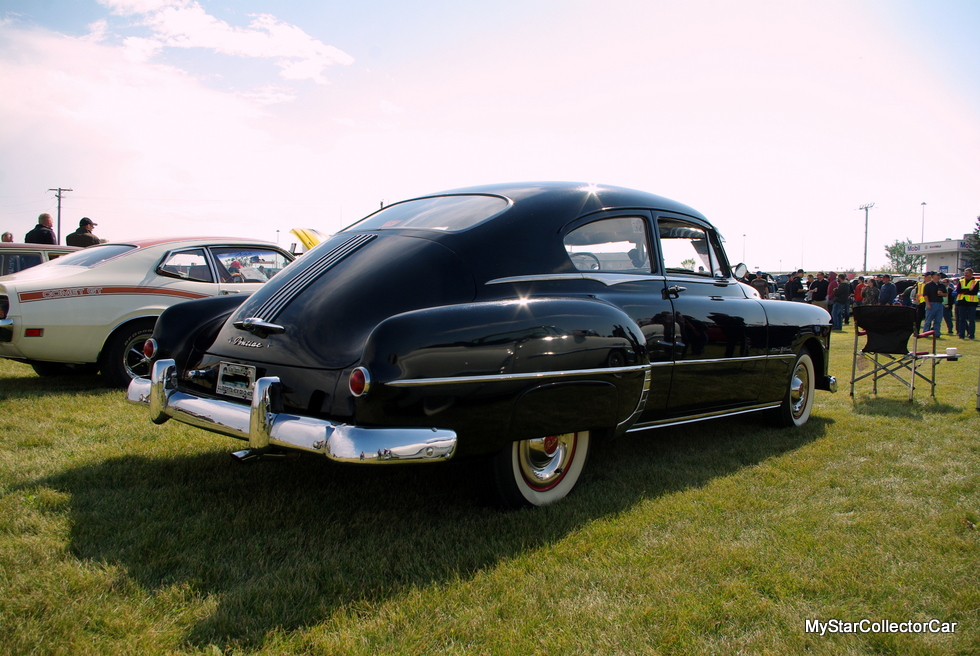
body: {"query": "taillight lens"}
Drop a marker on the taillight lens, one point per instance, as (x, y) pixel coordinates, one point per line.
(150, 348)
(359, 382)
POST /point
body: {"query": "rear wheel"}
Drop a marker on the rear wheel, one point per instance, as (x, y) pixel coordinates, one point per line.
(539, 471)
(123, 358)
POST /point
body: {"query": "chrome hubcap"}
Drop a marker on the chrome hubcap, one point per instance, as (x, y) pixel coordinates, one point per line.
(544, 460)
(137, 365)
(799, 390)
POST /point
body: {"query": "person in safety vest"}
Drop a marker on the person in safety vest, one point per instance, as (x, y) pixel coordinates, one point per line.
(966, 306)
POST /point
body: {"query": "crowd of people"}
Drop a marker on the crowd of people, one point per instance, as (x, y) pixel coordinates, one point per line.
(43, 233)
(937, 297)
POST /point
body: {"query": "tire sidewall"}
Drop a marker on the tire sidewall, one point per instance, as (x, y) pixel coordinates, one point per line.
(113, 367)
(806, 361)
(515, 492)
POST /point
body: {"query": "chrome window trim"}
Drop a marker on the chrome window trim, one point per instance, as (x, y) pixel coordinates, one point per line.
(608, 279)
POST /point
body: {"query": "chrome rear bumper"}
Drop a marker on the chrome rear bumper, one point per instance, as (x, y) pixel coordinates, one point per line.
(262, 427)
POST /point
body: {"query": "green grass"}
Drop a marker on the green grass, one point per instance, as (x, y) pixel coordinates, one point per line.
(118, 536)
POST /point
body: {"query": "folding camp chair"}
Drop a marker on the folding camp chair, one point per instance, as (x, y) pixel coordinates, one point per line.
(888, 329)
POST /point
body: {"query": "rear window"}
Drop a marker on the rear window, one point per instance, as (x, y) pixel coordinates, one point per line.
(443, 213)
(93, 256)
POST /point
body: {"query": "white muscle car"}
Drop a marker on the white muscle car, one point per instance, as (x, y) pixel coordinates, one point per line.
(94, 308)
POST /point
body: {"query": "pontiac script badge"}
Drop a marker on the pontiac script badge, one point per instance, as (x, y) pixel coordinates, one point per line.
(242, 341)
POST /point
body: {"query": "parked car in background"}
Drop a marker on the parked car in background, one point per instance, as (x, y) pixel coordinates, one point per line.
(513, 323)
(94, 308)
(17, 257)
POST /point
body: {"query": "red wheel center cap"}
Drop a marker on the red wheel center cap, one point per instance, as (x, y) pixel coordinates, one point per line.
(550, 445)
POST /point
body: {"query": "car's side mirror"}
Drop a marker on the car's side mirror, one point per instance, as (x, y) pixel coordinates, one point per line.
(740, 270)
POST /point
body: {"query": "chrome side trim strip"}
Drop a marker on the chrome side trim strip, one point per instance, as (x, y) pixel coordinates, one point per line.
(488, 378)
(708, 415)
(641, 404)
(262, 427)
(752, 358)
(608, 279)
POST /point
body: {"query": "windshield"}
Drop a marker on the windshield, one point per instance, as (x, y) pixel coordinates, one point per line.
(443, 213)
(93, 256)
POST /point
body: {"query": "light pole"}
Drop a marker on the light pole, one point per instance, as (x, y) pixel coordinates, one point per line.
(743, 247)
(866, 208)
(922, 237)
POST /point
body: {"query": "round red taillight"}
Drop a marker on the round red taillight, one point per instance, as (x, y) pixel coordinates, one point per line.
(150, 348)
(359, 382)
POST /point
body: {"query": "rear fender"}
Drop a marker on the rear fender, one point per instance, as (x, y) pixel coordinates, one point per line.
(495, 370)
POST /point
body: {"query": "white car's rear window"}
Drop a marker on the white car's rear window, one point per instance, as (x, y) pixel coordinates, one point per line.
(93, 256)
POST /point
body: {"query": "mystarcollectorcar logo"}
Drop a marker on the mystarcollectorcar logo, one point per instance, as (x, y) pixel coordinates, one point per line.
(823, 627)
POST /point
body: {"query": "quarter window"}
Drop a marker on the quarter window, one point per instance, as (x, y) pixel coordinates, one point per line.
(248, 264)
(687, 248)
(618, 244)
(188, 265)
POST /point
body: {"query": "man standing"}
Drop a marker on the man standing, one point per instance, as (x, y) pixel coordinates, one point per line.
(42, 233)
(966, 306)
(794, 288)
(820, 288)
(932, 296)
(888, 292)
(83, 234)
(948, 300)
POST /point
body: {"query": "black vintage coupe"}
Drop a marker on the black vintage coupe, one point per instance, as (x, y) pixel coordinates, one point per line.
(514, 323)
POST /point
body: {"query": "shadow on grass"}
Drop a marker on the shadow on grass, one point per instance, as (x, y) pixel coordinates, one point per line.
(902, 408)
(283, 544)
(30, 385)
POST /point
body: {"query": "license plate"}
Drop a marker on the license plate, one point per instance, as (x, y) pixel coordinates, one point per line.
(236, 380)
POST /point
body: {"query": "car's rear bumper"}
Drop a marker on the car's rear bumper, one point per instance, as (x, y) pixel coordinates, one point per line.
(262, 427)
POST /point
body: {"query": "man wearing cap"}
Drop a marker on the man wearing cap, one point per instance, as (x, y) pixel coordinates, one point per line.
(794, 290)
(83, 234)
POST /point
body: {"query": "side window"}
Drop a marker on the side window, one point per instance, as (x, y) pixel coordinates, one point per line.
(688, 248)
(188, 265)
(248, 264)
(619, 244)
(21, 261)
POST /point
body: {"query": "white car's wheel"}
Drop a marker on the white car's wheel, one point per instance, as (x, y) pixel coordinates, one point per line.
(540, 471)
(123, 359)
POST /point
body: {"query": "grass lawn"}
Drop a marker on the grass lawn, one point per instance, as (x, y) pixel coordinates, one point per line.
(121, 537)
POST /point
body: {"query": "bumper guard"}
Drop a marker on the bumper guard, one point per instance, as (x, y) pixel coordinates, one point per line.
(262, 427)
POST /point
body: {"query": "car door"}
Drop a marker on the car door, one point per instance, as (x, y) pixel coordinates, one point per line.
(614, 248)
(720, 333)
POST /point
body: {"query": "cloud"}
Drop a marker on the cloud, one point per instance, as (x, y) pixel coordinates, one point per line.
(186, 24)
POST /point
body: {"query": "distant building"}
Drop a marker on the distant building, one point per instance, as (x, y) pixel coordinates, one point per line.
(950, 256)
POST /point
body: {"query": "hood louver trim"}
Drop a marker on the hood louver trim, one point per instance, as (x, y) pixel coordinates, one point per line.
(276, 303)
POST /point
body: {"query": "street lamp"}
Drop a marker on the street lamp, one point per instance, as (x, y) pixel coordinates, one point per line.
(866, 208)
(922, 238)
(743, 247)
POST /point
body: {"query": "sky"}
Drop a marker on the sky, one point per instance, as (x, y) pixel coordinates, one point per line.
(777, 119)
